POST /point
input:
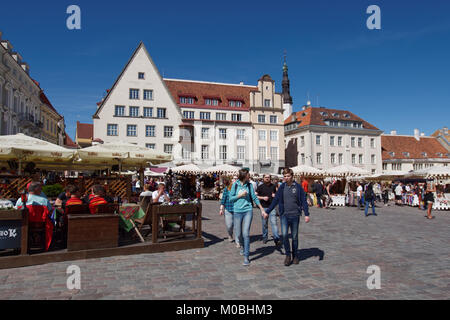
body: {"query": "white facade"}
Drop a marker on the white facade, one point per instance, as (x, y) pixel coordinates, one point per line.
(155, 127)
(19, 95)
(323, 147)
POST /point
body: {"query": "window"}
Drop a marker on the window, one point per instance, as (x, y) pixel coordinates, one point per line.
(261, 135)
(120, 111)
(261, 118)
(134, 94)
(303, 158)
(332, 141)
(240, 134)
(360, 142)
(319, 158)
(148, 94)
(221, 116)
(223, 152)
(339, 141)
(134, 112)
(205, 133)
(397, 166)
(161, 112)
(333, 158)
(168, 148)
(236, 117)
(353, 158)
(168, 132)
(341, 158)
(266, 103)
(353, 142)
(302, 141)
(149, 131)
(111, 130)
(186, 100)
(235, 103)
(148, 112)
(212, 102)
(384, 166)
(274, 153)
(205, 152)
(273, 135)
(150, 145)
(360, 159)
(205, 115)
(273, 119)
(141, 75)
(373, 159)
(240, 152)
(372, 142)
(262, 153)
(222, 134)
(188, 114)
(424, 154)
(185, 153)
(131, 130)
(318, 140)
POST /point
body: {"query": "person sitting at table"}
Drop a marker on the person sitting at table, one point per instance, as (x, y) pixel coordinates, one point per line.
(96, 198)
(35, 197)
(62, 198)
(74, 195)
(146, 192)
(160, 195)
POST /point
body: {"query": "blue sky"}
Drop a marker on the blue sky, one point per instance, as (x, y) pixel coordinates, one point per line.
(395, 78)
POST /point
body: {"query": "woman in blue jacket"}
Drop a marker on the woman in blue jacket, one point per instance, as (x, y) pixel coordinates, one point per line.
(243, 196)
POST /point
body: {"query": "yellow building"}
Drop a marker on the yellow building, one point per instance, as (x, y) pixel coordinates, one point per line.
(52, 122)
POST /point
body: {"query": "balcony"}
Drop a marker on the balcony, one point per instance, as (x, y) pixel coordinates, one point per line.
(26, 120)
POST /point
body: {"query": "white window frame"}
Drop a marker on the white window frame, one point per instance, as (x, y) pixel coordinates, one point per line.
(261, 135)
(108, 129)
(145, 114)
(129, 127)
(168, 131)
(158, 110)
(134, 94)
(147, 127)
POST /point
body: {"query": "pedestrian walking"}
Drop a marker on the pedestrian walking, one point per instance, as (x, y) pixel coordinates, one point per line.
(226, 209)
(369, 198)
(429, 200)
(398, 194)
(359, 191)
(243, 196)
(266, 192)
(291, 201)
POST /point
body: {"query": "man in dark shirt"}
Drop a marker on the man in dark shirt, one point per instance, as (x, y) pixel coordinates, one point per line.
(266, 192)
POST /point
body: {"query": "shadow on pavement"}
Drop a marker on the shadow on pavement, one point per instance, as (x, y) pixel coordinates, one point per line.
(212, 239)
(265, 251)
(304, 254)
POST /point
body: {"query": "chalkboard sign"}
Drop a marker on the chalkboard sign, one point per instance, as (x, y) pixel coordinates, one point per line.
(10, 234)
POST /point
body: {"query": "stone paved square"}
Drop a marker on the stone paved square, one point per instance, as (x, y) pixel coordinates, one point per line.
(336, 248)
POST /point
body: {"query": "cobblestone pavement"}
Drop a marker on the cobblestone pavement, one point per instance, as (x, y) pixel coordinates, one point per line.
(336, 248)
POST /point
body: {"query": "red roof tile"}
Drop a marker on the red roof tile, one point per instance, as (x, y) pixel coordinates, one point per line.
(85, 130)
(401, 145)
(203, 90)
(314, 116)
(68, 142)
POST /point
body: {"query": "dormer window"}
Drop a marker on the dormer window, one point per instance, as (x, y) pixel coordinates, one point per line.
(186, 100)
(304, 114)
(439, 154)
(406, 154)
(235, 103)
(212, 102)
(392, 154)
(346, 115)
(424, 154)
(336, 115)
(323, 114)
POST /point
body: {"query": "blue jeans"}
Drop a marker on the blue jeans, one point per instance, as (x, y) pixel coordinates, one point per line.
(229, 222)
(242, 223)
(367, 206)
(273, 223)
(290, 222)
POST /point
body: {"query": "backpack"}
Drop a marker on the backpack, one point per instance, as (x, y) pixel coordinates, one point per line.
(368, 194)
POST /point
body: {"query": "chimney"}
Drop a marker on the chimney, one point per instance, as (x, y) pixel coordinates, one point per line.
(422, 134)
(445, 130)
(304, 108)
(393, 132)
(294, 117)
(241, 83)
(417, 134)
(308, 103)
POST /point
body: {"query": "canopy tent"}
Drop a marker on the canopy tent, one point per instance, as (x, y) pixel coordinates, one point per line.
(187, 168)
(150, 173)
(223, 169)
(431, 173)
(304, 170)
(385, 176)
(122, 153)
(345, 171)
(25, 148)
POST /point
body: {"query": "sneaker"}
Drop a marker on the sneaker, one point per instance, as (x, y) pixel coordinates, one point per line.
(241, 252)
(287, 261)
(295, 260)
(246, 261)
(277, 242)
(238, 245)
(230, 238)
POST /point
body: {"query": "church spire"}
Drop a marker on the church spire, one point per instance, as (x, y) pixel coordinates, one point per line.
(287, 99)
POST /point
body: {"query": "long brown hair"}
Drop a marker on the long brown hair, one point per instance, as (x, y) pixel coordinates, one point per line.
(227, 182)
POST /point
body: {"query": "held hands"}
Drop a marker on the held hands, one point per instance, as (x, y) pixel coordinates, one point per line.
(264, 214)
(266, 198)
(306, 219)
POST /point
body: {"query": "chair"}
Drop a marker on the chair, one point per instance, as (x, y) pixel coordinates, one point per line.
(107, 208)
(40, 227)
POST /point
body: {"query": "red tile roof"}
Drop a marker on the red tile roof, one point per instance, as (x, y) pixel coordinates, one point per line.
(400, 145)
(313, 116)
(203, 90)
(68, 142)
(441, 132)
(85, 130)
(45, 100)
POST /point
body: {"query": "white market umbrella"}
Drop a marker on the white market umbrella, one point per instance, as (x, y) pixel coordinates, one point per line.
(431, 173)
(25, 148)
(345, 171)
(304, 170)
(187, 168)
(150, 173)
(223, 169)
